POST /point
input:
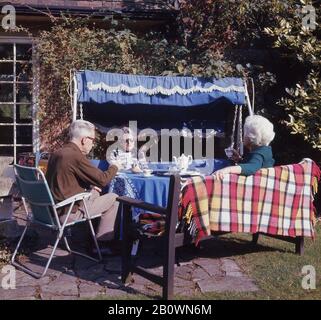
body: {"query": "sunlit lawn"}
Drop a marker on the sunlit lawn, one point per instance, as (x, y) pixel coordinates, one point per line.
(277, 272)
(273, 265)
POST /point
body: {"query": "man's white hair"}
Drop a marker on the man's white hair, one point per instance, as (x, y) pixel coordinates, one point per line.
(258, 130)
(80, 129)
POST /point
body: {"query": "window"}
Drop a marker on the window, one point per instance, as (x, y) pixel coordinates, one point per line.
(17, 101)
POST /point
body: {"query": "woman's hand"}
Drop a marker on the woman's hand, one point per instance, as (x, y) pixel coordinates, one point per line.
(118, 164)
(97, 189)
(236, 157)
(136, 169)
(219, 174)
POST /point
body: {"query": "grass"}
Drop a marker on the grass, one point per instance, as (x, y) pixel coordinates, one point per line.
(276, 270)
(272, 264)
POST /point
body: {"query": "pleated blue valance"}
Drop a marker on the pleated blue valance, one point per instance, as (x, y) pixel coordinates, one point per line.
(123, 89)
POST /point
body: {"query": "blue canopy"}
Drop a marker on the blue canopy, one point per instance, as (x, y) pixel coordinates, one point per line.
(123, 89)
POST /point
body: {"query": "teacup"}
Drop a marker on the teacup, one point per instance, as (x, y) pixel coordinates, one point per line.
(147, 172)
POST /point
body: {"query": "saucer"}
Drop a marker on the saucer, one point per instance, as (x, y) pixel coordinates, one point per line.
(147, 175)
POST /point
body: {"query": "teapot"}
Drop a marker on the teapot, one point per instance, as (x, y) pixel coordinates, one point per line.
(183, 161)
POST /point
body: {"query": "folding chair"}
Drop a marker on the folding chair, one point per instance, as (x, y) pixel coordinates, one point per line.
(171, 238)
(35, 191)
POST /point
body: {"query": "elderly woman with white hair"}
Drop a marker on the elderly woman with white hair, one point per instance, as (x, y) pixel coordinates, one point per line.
(258, 134)
(126, 152)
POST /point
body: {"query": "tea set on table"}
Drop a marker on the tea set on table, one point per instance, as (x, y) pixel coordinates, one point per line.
(180, 166)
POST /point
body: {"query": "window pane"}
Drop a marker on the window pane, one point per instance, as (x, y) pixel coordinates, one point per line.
(24, 113)
(24, 51)
(6, 51)
(24, 71)
(24, 149)
(6, 113)
(24, 93)
(6, 92)
(6, 151)
(6, 134)
(24, 135)
(6, 71)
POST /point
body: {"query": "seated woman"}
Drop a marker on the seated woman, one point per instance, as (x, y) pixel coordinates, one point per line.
(258, 134)
(126, 154)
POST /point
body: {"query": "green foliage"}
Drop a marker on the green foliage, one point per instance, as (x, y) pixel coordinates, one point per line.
(211, 38)
(74, 44)
(301, 47)
(304, 109)
(216, 25)
(214, 29)
(77, 44)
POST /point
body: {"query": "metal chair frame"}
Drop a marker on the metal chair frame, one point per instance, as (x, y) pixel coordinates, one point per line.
(37, 180)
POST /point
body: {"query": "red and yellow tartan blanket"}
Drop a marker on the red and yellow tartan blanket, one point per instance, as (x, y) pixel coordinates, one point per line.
(151, 224)
(276, 201)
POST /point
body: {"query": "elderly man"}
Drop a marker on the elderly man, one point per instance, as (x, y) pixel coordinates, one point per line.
(70, 172)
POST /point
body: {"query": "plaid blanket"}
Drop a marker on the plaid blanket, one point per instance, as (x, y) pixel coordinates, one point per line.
(151, 224)
(276, 201)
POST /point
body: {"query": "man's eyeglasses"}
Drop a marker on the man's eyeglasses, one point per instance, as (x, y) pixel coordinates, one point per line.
(91, 138)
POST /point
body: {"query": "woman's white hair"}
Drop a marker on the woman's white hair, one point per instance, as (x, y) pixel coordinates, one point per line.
(258, 130)
(80, 129)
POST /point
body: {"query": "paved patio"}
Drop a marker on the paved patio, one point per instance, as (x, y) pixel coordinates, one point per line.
(74, 277)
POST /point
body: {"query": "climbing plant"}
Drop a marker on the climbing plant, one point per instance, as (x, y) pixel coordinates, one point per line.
(209, 38)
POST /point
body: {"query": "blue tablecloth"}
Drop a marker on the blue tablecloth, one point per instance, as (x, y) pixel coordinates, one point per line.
(205, 167)
(153, 189)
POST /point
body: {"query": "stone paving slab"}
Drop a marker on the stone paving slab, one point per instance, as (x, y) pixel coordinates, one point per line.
(64, 285)
(198, 276)
(210, 266)
(228, 284)
(25, 280)
(229, 265)
(22, 293)
(74, 277)
(184, 272)
(90, 290)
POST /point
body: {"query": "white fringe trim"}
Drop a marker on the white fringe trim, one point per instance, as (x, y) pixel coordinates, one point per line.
(161, 90)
